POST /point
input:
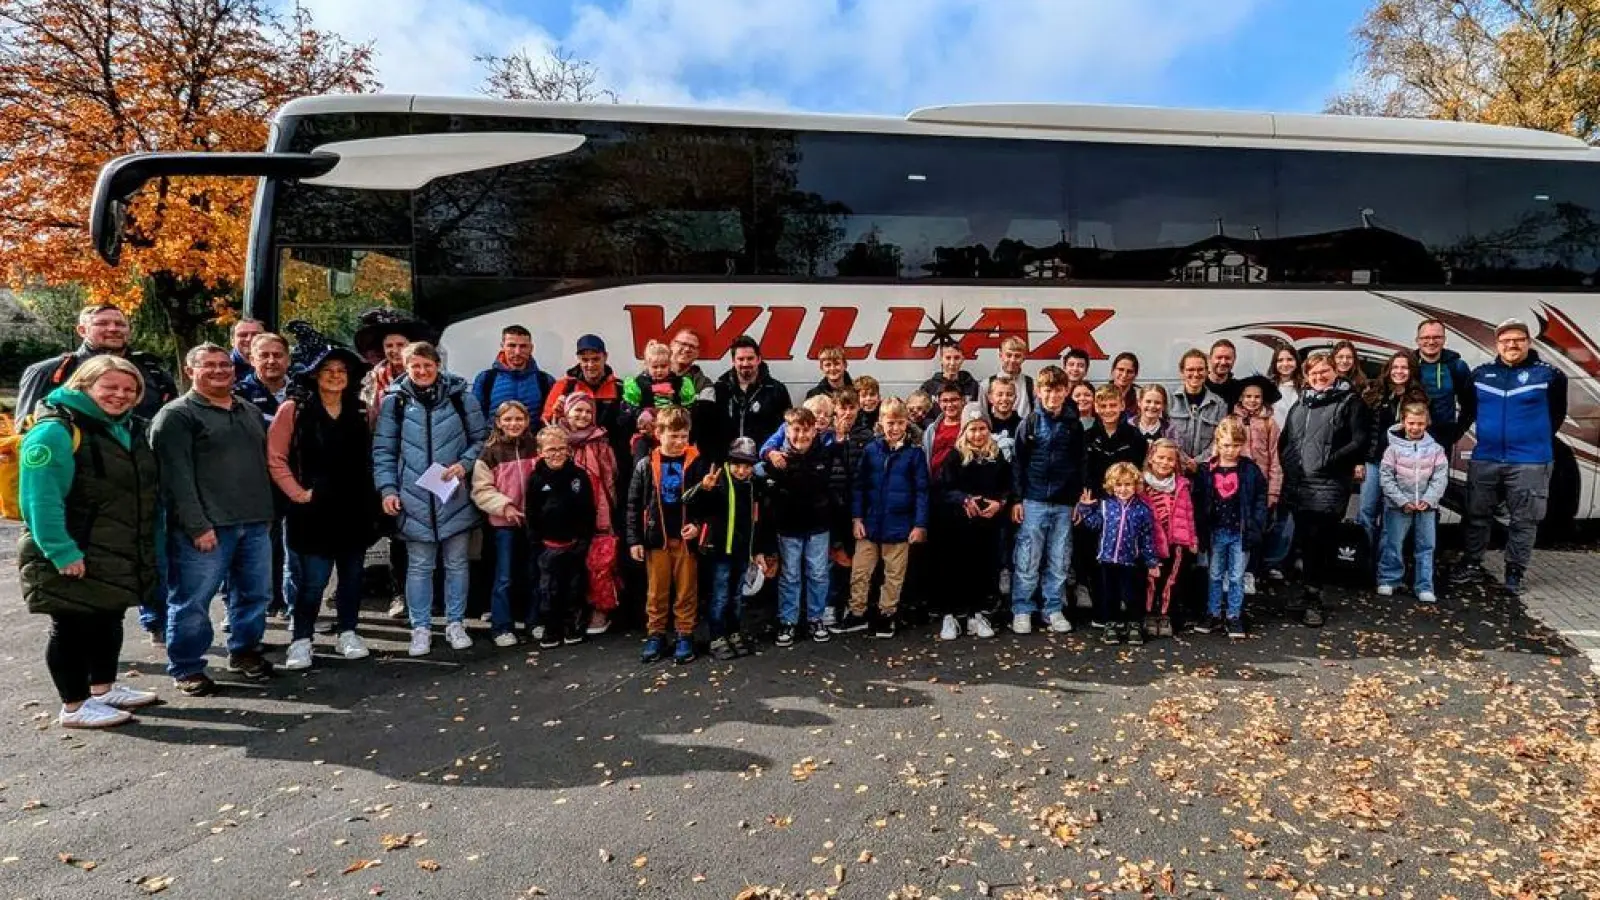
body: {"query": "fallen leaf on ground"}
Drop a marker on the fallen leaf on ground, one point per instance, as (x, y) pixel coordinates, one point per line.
(428, 865)
(362, 864)
(154, 884)
(87, 865)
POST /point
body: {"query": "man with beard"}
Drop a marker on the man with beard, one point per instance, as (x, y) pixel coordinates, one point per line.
(104, 329)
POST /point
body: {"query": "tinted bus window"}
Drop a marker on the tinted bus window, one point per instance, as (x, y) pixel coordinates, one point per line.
(1534, 223)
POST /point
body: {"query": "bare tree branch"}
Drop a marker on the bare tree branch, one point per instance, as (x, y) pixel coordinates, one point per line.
(559, 75)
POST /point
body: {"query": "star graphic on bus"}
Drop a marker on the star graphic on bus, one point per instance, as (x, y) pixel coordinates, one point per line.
(943, 327)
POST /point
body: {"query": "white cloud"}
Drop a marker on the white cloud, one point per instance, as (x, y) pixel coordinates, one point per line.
(884, 56)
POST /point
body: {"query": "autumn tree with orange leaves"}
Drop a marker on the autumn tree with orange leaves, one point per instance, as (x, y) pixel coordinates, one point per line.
(83, 81)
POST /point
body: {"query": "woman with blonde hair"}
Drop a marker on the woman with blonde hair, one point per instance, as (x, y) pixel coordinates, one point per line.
(972, 498)
(88, 548)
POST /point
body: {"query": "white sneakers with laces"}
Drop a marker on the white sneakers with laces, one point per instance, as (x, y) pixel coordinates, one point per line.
(123, 697)
(421, 642)
(950, 630)
(1249, 584)
(979, 626)
(1022, 623)
(351, 646)
(1059, 623)
(456, 634)
(299, 655)
(505, 639)
(93, 714)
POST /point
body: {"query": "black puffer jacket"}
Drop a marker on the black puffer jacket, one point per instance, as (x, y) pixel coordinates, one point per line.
(1324, 439)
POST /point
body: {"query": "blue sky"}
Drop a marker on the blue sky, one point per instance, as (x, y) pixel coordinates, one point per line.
(882, 56)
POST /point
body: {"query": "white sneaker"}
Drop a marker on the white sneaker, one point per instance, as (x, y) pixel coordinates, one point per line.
(1274, 574)
(1059, 623)
(397, 607)
(1249, 584)
(537, 633)
(1022, 623)
(456, 634)
(1427, 597)
(505, 639)
(830, 617)
(299, 655)
(421, 642)
(951, 629)
(123, 697)
(351, 646)
(1082, 594)
(1385, 590)
(93, 714)
(979, 625)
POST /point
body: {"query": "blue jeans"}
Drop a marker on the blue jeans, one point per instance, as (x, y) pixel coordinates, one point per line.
(1043, 540)
(804, 558)
(515, 580)
(726, 597)
(421, 557)
(1280, 538)
(1228, 561)
(244, 556)
(1371, 515)
(1392, 565)
(313, 578)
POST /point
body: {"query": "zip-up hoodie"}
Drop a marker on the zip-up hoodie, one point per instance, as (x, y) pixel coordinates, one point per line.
(964, 381)
(1448, 381)
(500, 476)
(645, 526)
(560, 503)
(1127, 531)
(1520, 410)
(1413, 471)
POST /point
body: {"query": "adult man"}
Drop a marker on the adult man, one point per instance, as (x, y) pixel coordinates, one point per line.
(749, 401)
(685, 347)
(1452, 399)
(514, 375)
(213, 452)
(1013, 352)
(594, 377)
(104, 329)
(265, 388)
(1522, 402)
(1195, 409)
(1219, 374)
(243, 335)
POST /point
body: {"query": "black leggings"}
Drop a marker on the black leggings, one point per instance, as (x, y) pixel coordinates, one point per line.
(1122, 593)
(1317, 536)
(83, 650)
(968, 557)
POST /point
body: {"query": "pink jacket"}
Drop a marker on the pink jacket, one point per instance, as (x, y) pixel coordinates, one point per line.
(1261, 446)
(501, 481)
(1174, 515)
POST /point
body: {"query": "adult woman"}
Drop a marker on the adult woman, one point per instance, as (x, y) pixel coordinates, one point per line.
(319, 452)
(429, 418)
(1124, 371)
(1285, 374)
(1286, 378)
(1323, 443)
(88, 491)
(1384, 398)
(1347, 366)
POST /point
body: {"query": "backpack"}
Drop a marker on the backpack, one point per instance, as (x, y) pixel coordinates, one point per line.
(401, 399)
(11, 462)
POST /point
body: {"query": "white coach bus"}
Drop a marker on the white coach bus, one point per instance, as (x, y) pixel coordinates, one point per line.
(1102, 228)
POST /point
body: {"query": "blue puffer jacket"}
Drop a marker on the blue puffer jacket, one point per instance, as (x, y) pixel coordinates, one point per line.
(1047, 462)
(1127, 531)
(1520, 409)
(1448, 381)
(409, 441)
(497, 384)
(890, 495)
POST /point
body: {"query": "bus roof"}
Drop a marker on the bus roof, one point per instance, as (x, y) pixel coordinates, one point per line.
(1039, 121)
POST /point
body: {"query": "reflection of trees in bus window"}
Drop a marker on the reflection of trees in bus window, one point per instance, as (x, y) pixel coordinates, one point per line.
(329, 287)
(308, 214)
(1138, 197)
(1534, 222)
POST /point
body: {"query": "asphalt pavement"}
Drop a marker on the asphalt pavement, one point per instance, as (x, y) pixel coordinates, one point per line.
(1400, 751)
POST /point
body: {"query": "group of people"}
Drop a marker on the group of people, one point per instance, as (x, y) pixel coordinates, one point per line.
(290, 455)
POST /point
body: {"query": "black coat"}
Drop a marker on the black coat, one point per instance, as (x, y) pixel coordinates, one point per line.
(1103, 449)
(734, 523)
(1252, 503)
(808, 495)
(559, 503)
(955, 483)
(332, 458)
(755, 413)
(1324, 439)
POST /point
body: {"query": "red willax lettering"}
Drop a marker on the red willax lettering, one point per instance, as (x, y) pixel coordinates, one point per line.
(900, 335)
(649, 324)
(834, 331)
(1073, 329)
(783, 326)
(994, 325)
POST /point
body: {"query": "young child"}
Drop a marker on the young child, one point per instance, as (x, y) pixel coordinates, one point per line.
(1231, 498)
(776, 445)
(939, 438)
(1151, 419)
(591, 450)
(889, 512)
(951, 359)
(1414, 474)
(644, 439)
(1076, 365)
(1257, 394)
(835, 372)
(919, 409)
(1108, 441)
(1168, 494)
(1048, 466)
(657, 387)
(807, 492)
(660, 535)
(1082, 397)
(1004, 415)
(973, 490)
(728, 500)
(1013, 353)
(560, 521)
(1127, 551)
(871, 394)
(498, 479)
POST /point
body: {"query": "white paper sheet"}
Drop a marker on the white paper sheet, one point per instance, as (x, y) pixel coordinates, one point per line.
(433, 482)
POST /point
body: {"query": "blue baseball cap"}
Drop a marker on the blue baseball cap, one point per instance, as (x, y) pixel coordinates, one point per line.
(591, 342)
